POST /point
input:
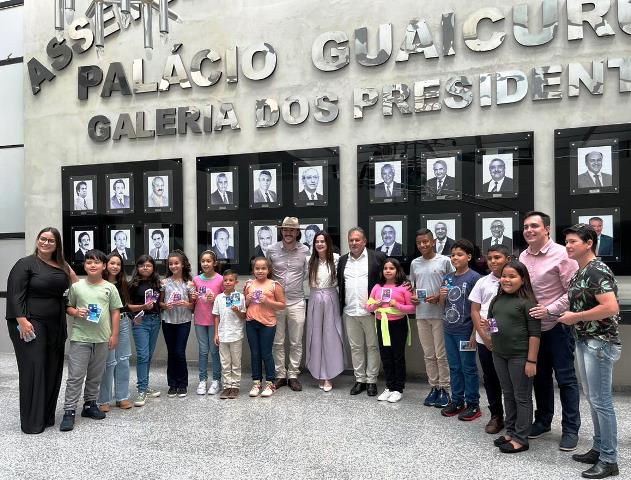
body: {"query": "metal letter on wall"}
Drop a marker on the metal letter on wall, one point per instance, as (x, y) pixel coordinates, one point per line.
(303, 109)
(624, 16)
(226, 117)
(362, 98)
(232, 65)
(427, 96)
(267, 112)
(141, 132)
(544, 77)
(87, 76)
(196, 68)
(269, 61)
(595, 17)
(460, 90)
(76, 31)
(138, 74)
(99, 129)
(59, 53)
(470, 30)
(187, 118)
(448, 26)
(486, 90)
(578, 74)
(38, 74)
(115, 81)
(339, 54)
(385, 46)
(516, 77)
(174, 72)
(417, 39)
(124, 128)
(326, 108)
(624, 66)
(396, 94)
(521, 30)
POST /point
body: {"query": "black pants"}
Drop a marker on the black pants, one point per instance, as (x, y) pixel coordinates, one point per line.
(491, 382)
(176, 337)
(393, 357)
(40, 367)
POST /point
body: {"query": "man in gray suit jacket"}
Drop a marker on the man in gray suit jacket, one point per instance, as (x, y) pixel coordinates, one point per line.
(499, 181)
(221, 196)
(388, 188)
(592, 178)
(263, 194)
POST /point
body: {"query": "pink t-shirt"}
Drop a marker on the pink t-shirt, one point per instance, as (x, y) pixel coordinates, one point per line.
(402, 296)
(204, 308)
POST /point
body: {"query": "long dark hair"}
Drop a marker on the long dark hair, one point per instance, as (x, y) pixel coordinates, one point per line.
(315, 259)
(136, 279)
(186, 265)
(121, 279)
(58, 255)
(399, 278)
(525, 291)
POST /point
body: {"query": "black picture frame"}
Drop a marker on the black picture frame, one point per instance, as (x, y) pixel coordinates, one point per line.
(581, 182)
(255, 174)
(216, 231)
(378, 166)
(508, 186)
(308, 229)
(130, 232)
(90, 205)
(610, 234)
(149, 188)
(77, 233)
(112, 205)
(214, 201)
(485, 230)
(255, 249)
(451, 188)
(376, 237)
(159, 253)
(453, 222)
(302, 168)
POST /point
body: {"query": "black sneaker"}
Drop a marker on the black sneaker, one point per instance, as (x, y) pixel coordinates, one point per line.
(471, 413)
(430, 400)
(181, 392)
(67, 423)
(537, 430)
(91, 410)
(172, 392)
(451, 410)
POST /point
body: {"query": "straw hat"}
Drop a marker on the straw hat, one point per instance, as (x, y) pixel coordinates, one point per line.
(291, 222)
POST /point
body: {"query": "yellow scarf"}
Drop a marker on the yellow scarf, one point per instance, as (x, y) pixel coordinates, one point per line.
(385, 332)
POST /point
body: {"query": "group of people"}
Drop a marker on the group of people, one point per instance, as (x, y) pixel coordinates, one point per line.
(526, 319)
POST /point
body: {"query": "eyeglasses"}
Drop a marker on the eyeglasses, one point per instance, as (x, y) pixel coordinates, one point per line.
(44, 241)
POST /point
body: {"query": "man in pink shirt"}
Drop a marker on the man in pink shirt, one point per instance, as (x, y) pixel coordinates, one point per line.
(550, 272)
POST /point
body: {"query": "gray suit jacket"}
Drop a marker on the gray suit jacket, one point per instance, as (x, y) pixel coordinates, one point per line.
(585, 181)
(259, 198)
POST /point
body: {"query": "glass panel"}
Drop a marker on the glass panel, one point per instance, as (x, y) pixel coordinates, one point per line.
(11, 33)
(11, 186)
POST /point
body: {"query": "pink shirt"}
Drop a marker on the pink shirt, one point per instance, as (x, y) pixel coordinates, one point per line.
(550, 273)
(204, 308)
(402, 296)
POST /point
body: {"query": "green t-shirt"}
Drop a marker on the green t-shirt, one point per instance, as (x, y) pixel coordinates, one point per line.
(105, 295)
(515, 325)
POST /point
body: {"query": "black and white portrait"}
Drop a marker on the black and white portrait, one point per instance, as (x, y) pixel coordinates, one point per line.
(83, 241)
(83, 195)
(222, 241)
(262, 237)
(497, 231)
(158, 243)
(158, 191)
(119, 191)
(264, 185)
(388, 179)
(442, 179)
(606, 223)
(444, 231)
(310, 227)
(594, 167)
(496, 178)
(121, 243)
(309, 184)
(222, 190)
(388, 234)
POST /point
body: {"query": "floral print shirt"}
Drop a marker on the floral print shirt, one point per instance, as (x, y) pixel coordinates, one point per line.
(593, 279)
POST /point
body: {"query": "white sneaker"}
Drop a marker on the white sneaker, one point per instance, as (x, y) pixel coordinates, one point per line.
(151, 393)
(201, 388)
(384, 396)
(255, 391)
(269, 389)
(395, 397)
(215, 387)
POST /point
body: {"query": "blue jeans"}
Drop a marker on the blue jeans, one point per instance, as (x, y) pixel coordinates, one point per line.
(595, 365)
(145, 338)
(176, 338)
(556, 353)
(261, 339)
(463, 371)
(117, 367)
(205, 339)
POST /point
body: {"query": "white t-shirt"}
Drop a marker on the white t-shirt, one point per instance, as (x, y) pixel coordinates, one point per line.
(230, 325)
(428, 275)
(484, 291)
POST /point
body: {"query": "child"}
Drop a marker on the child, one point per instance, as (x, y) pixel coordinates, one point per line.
(262, 297)
(229, 313)
(427, 273)
(117, 364)
(208, 285)
(391, 301)
(459, 335)
(93, 304)
(515, 349)
(481, 296)
(177, 314)
(144, 292)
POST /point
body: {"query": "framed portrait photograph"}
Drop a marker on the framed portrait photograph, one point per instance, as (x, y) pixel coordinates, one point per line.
(265, 185)
(497, 172)
(309, 227)
(263, 234)
(388, 233)
(388, 178)
(594, 167)
(158, 241)
(120, 193)
(497, 228)
(223, 239)
(158, 191)
(446, 228)
(443, 176)
(83, 239)
(311, 186)
(122, 239)
(83, 191)
(223, 188)
(606, 223)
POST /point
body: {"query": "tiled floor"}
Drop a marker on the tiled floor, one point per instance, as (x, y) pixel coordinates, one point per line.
(302, 435)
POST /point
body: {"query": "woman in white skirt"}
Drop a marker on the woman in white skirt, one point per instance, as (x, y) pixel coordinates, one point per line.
(325, 354)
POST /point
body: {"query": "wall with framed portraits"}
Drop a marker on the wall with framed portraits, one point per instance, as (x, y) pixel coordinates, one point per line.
(589, 165)
(475, 187)
(133, 208)
(242, 200)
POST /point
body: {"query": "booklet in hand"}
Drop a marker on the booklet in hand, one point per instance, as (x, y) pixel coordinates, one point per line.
(94, 313)
(386, 295)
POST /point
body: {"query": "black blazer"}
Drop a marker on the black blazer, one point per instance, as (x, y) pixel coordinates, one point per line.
(302, 197)
(215, 198)
(449, 242)
(486, 244)
(375, 266)
(507, 185)
(380, 190)
(448, 187)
